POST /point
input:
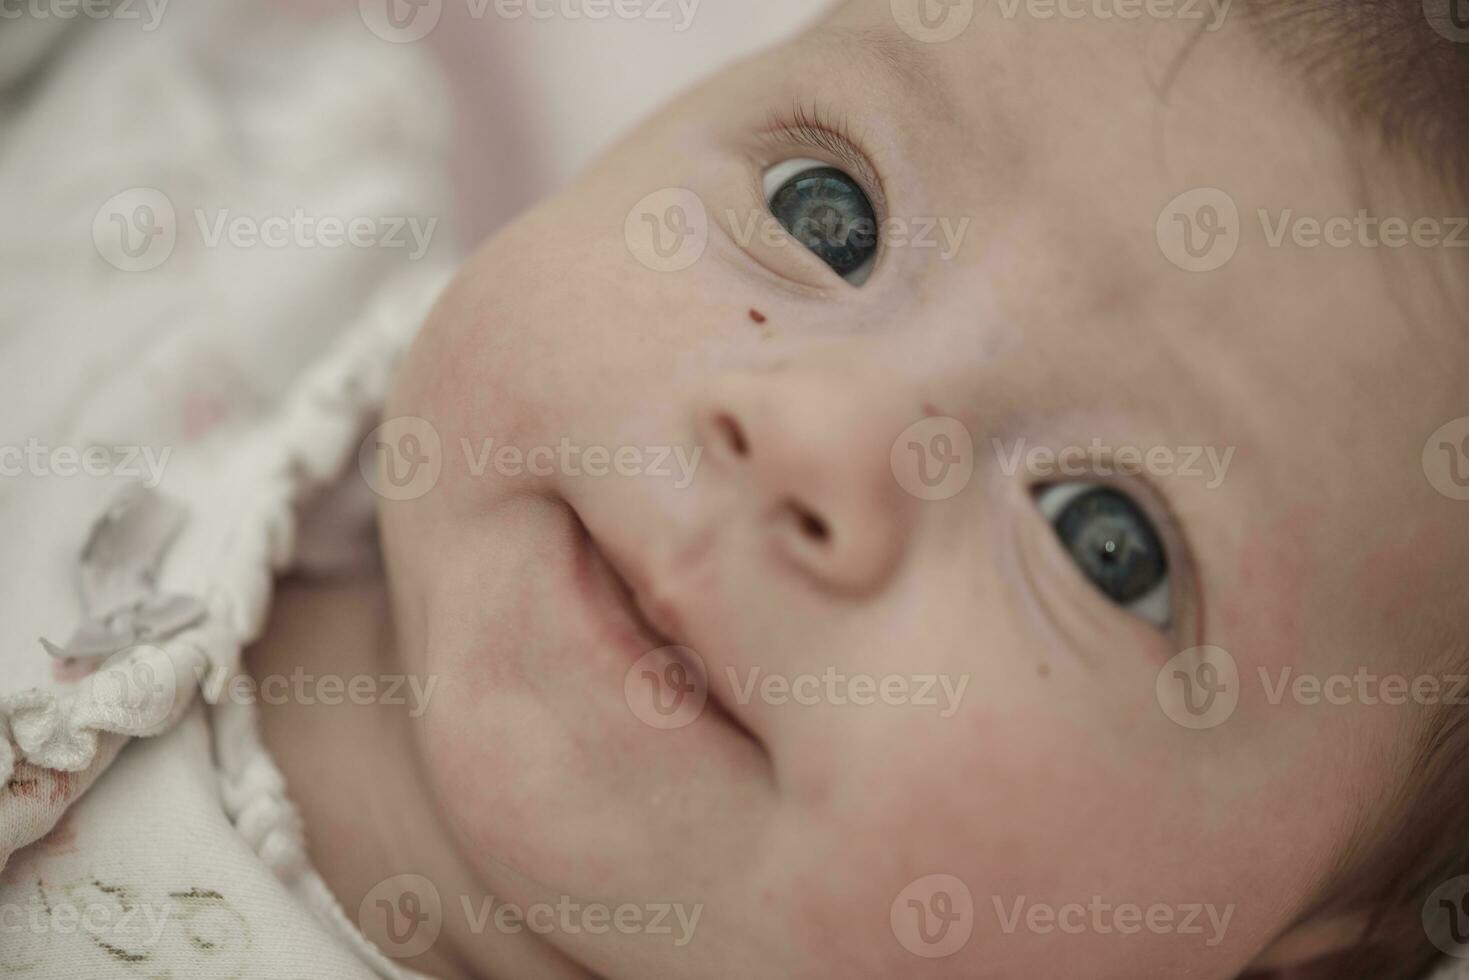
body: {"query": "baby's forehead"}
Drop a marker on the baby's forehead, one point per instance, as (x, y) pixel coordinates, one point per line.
(1390, 73)
(997, 71)
(1160, 194)
(1100, 124)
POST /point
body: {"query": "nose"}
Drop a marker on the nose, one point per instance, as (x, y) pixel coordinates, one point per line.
(809, 455)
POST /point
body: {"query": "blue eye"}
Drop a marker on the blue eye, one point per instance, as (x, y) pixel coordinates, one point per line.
(1114, 544)
(827, 211)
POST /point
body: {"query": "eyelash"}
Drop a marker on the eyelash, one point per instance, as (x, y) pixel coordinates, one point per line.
(814, 127)
(807, 124)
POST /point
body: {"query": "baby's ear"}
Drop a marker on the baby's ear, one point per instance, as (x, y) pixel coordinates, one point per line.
(1304, 946)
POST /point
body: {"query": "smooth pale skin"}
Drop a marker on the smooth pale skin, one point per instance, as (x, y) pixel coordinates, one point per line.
(1060, 320)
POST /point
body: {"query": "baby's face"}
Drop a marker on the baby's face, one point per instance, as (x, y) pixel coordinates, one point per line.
(921, 648)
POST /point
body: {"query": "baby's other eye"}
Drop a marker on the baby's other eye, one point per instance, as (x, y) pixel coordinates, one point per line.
(827, 211)
(1114, 544)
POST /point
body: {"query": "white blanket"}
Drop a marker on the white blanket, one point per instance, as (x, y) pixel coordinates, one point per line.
(179, 204)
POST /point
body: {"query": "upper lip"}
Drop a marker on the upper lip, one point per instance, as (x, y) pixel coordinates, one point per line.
(653, 603)
(654, 617)
(648, 601)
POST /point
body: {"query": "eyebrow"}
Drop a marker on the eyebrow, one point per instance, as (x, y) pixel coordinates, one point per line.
(899, 56)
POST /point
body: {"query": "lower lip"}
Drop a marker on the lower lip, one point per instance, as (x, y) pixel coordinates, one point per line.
(609, 602)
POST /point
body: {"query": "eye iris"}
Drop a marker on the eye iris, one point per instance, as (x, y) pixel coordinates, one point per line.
(1114, 543)
(826, 211)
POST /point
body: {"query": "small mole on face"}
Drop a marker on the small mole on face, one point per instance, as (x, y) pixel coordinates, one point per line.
(1044, 670)
(757, 316)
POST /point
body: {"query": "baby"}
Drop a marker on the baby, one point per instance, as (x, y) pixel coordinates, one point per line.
(973, 492)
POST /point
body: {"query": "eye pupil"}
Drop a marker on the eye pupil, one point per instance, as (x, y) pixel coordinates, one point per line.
(1113, 543)
(826, 210)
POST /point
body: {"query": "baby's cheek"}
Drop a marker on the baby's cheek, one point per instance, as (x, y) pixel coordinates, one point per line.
(1404, 580)
(1264, 600)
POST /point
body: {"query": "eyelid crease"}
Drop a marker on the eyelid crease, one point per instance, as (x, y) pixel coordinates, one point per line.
(810, 126)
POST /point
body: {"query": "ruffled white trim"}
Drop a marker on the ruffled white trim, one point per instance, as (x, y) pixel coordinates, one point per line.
(140, 692)
(145, 690)
(317, 434)
(254, 794)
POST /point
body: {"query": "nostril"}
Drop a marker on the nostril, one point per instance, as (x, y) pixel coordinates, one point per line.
(811, 524)
(732, 433)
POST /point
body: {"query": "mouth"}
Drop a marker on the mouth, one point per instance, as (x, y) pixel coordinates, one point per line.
(614, 601)
(631, 618)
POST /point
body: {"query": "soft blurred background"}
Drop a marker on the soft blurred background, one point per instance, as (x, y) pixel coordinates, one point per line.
(148, 146)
